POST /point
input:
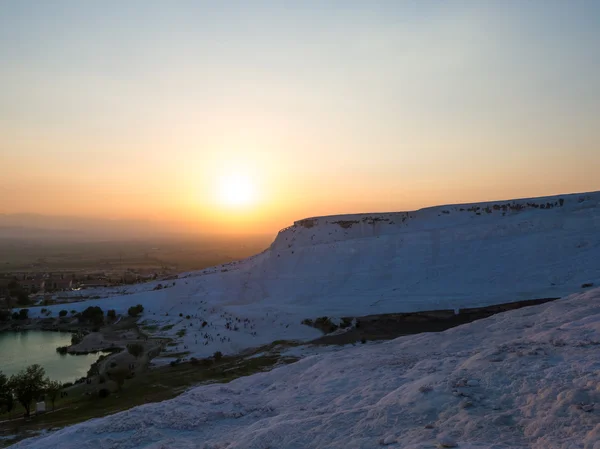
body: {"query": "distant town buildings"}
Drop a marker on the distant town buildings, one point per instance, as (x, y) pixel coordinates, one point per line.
(44, 283)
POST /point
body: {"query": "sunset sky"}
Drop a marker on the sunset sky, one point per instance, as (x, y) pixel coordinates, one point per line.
(251, 114)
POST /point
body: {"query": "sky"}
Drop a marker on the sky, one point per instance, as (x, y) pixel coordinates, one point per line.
(146, 109)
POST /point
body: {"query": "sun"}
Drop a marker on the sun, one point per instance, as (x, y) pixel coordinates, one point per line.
(236, 190)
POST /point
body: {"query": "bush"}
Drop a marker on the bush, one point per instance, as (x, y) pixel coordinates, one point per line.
(23, 314)
(346, 322)
(92, 314)
(77, 337)
(363, 340)
(134, 311)
(53, 388)
(218, 355)
(62, 313)
(112, 314)
(187, 317)
(4, 314)
(62, 349)
(104, 393)
(22, 297)
(135, 349)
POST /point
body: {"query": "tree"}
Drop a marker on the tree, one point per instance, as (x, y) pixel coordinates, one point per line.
(119, 376)
(135, 349)
(23, 314)
(77, 338)
(4, 387)
(6, 395)
(135, 310)
(62, 313)
(4, 314)
(22, 297)
(53, 387)
(93, 314)
(218, 355)
(103, 393)
(28, 385)
(112, 314)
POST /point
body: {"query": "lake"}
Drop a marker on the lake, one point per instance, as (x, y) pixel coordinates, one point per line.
(21, 349)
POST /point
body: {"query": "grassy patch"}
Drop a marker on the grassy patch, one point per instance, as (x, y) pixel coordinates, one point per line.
(155, 385)
(181, 332)
(168, 327)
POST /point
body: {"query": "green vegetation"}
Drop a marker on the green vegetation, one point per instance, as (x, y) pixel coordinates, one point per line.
(62, 313)
(168, 327)
(155, 385)
(119, 375)
(22, 297)
(77, 337)
(103, 393)
(5, 314)
(52, 389)
(93, 315)
(324, 324)
(135, 349)
(134, 311)
(181, 332)
(28, 385)
(6, 397)
(111, 314)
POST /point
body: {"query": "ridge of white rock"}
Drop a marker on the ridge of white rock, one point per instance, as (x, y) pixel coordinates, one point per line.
(529, 378)
(444, 257)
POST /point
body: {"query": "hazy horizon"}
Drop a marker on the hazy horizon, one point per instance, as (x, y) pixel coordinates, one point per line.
(239, 118)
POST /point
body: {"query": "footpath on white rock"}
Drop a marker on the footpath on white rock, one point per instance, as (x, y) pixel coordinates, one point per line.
(445, 257)
(529, 378)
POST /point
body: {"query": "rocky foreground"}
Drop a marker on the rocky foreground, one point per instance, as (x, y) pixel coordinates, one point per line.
(528, 378)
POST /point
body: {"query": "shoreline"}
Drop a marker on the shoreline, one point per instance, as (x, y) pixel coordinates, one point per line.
(132, 380)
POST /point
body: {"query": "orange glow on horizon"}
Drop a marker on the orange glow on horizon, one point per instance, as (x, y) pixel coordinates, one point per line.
(243, 120)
